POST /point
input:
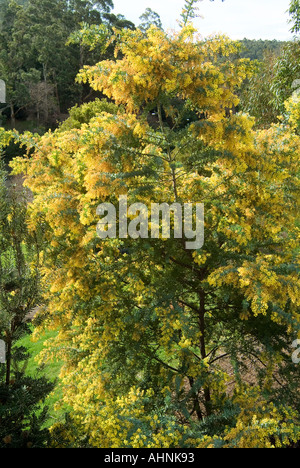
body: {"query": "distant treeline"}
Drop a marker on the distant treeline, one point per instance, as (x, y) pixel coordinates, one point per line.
(39, 62)
(256, 49)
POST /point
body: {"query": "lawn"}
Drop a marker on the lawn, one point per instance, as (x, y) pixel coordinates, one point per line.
(50, 370)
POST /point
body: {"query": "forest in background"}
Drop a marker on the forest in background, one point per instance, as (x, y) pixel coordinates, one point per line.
(41, 55)
(143, 343)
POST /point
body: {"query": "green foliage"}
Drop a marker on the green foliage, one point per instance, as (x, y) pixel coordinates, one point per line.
(20, 424)
(257, 96)
(150, 18)
(80, 115)
(257, 49)
(37, 65)
(286, 73)
(189, 11)
(20, 396)
(274, 80)
(294, 11)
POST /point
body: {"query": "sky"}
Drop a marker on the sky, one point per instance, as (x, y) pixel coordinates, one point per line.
(253, 19)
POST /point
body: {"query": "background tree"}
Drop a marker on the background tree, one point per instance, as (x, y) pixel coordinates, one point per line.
(16, 67)
(150, 18)
(273, 83)
(256, 49)
(287, 71)
(40, 81)
(257, 96)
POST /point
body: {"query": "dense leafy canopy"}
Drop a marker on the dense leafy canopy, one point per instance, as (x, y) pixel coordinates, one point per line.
(38, 61)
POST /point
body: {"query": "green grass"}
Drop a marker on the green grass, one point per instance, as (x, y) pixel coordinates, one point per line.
(49, 370)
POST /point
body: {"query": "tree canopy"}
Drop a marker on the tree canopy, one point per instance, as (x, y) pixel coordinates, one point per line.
(40, 81)
(149, 331)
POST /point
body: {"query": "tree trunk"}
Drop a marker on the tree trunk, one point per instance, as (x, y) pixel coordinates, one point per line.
(8, 358)
(12, 116)
(196, 408)
(207, 396)
(46, 107)
(171, 161)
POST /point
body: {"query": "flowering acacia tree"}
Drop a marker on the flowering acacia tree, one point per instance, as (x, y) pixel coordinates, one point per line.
(160, 343)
